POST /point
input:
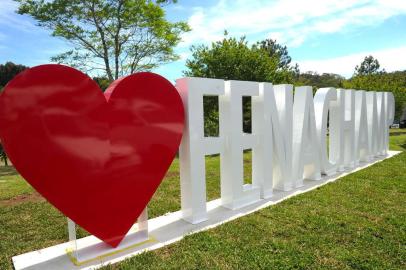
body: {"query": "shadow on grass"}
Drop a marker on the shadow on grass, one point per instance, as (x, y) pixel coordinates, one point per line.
(398, 133)
(7, 171)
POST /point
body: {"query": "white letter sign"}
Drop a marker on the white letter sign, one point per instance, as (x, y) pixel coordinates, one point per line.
(292, 139)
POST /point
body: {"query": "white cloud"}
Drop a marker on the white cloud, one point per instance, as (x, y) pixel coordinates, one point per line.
(10, 18)
(291, 21)
(184, 55)
(390, 59)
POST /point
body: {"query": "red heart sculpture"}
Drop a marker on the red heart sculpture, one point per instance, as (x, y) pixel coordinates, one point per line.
(97, 158)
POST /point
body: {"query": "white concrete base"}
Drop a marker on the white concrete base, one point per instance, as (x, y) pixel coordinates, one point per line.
(167, 229)
(83, 252)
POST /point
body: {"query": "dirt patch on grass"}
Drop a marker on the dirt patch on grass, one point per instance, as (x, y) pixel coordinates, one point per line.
(247, 161)
(32, 197)
(172, 174)
(7, 171)
(398, 133)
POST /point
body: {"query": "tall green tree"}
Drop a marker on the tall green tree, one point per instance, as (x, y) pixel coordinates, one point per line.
(115, 37)
(368, 77)
(280, 51)
(368, 66)
(8, 71)
(320, 80)
(234, 59)
(394, 82)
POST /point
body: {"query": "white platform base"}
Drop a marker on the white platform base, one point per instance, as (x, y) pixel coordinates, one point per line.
(166, 229)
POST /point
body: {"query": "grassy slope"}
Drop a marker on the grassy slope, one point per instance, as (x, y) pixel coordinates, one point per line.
(358, 222)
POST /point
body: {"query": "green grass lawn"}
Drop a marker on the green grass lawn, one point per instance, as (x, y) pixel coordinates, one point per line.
(358, 222)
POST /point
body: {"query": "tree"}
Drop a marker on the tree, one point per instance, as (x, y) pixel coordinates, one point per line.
(394, 82)
(370, 65)
(368, 77)
(3, 155)
(115, 37)
(231, 59)
(281, 52)
(234, 59)
(103, 82)
(275, 49)
(318, 81)
(8, 71)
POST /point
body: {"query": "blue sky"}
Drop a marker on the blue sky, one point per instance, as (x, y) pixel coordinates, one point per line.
(323, 36)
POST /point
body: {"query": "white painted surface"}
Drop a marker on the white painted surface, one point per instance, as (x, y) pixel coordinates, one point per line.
(362, 152)
(262, 151)
(325, 100)
(280, 102)
(195, 146)
(288, 139)
(234, 194)
(306, 154)
(84, 251)
(167, 229)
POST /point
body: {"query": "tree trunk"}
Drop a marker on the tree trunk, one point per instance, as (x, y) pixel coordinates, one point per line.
(117, 45)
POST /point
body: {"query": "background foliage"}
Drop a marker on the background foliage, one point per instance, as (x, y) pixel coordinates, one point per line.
(111, 37)
(8, 71)
(320, 80)
(394, 82)
(235, 59)
(268, 61)
(264, 61)
(369, 66)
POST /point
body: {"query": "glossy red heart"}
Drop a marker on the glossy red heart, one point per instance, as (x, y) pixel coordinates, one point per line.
(97, 158)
